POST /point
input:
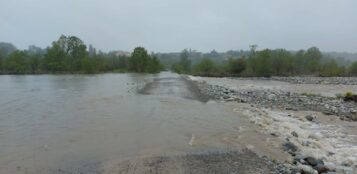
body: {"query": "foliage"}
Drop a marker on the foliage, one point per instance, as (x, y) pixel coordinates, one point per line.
(140, 61)
(331, 69)
(349, 94)
(236, 66)
(69, 54)
(184, 65)
(205, 68)
(353, 69)
(278, 62)
(16, 62)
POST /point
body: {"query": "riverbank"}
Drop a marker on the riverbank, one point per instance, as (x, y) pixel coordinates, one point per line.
(278, 95)
(316, 130)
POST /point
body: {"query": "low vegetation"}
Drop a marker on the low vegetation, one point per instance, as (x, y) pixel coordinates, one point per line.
(349, 96)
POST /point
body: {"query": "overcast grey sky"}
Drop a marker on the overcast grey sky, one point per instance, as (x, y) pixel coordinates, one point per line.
(172, 25)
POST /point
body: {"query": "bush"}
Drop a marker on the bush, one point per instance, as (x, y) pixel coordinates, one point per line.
(349, 94)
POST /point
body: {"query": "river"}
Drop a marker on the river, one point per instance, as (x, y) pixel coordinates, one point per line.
(77, 123)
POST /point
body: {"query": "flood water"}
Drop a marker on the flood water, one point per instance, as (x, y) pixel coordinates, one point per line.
(70, 123)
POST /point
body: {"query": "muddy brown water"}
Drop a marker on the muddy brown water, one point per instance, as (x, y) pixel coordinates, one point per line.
(79, 123)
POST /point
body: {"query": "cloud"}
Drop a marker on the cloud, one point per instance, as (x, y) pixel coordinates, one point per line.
(172, 25)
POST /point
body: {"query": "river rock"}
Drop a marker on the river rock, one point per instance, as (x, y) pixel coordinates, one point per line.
(321, 168)
(306, 143)
(290, 147)
(271, 98)
(347, 163)
(314, 137)
(311, 161)
(305, 169)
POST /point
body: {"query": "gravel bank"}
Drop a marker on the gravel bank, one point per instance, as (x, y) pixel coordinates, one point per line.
(316, 139)
(312, 80)
(275, 98)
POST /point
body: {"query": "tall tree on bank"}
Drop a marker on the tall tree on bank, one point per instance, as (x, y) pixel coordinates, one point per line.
(140, 61)
(66, 54)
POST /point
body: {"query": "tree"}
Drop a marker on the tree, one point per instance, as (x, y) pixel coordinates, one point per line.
(88, 65)
(54, 60)
(34, 63)
(260, 64)
(76, 50)
(16, 62)
(331, 68)
(138, 60)
(205, 68)
(313, 57)
(122, 62)
(66, 54)
(236, 66)
(281, 62)
(154, 65)
(185, 62)
(1, 60)
(299, 62)
(353, 69)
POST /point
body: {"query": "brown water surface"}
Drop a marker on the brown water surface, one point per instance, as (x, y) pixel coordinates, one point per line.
(52, 123)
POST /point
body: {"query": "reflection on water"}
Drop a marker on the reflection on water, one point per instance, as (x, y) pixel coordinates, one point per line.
(66, 122)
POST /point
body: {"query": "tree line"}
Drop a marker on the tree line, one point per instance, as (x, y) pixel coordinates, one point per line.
(69, 54)
(267, 62)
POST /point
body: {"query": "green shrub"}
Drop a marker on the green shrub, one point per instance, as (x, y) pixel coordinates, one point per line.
(349, 94)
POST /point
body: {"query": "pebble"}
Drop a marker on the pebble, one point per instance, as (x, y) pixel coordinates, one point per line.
(321, 168)
(284, 100)
(294, 134)
(311, 161)
(309, 117)
(307, 169)
(290, 147)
